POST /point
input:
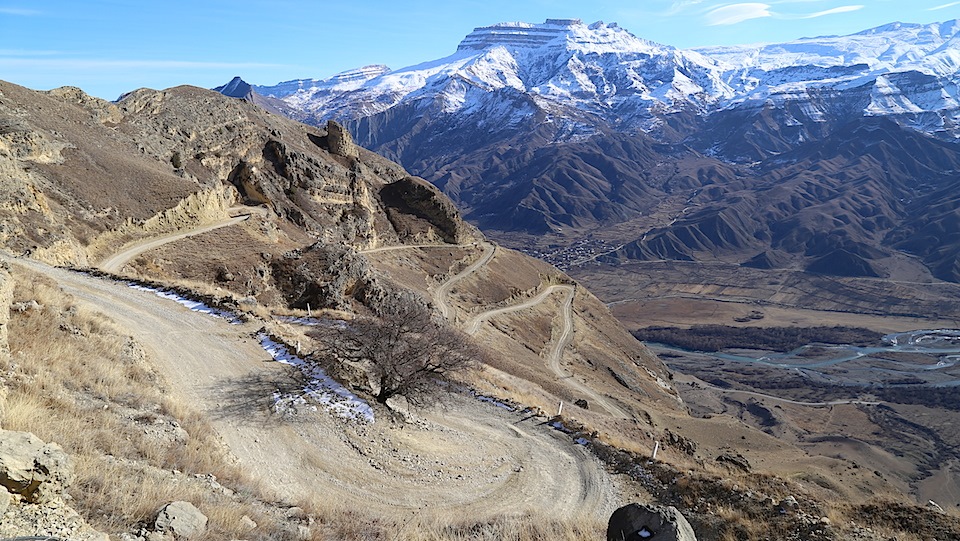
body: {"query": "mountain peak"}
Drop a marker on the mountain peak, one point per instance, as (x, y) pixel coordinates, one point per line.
(521, 35)
(236, 88)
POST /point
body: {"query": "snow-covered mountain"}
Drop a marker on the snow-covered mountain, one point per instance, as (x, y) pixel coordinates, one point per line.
(568, 68)
(600, 69)
(907, 71)
(828, 154)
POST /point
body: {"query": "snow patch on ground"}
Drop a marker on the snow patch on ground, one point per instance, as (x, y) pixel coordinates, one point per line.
(322, 388)
(195, 306)
(494, 401)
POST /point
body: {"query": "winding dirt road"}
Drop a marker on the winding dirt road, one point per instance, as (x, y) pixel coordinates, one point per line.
(469, 458)
(443, 290)
(409, 246)
(554, 355)
(472, 326)
(116, 262)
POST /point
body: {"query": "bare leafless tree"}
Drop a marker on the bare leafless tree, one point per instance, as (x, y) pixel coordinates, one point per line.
(407, 350)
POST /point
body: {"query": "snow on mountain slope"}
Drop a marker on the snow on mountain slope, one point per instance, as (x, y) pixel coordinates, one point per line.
(909, 72)
(905, 68)
(601, 69)
(893, 47)
(300, 92)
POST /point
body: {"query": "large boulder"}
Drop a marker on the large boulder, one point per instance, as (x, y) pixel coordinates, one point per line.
(38, 472)
(181, 519)
(636, 522)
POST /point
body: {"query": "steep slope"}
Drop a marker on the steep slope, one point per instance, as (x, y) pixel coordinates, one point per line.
(323, 201)
(837, 206)
(567, 129)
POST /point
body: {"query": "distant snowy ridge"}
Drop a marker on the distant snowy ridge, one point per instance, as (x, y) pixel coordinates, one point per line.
(905, 69)
(598, 68)
(567, 69)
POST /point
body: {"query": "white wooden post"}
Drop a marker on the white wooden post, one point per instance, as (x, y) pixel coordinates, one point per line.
(298, 347)
(655, 449)
(560, 409)
(309, 313)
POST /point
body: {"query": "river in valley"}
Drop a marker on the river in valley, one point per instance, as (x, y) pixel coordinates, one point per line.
(921, 357)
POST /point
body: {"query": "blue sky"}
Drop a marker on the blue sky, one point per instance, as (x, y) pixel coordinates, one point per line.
(108, 47)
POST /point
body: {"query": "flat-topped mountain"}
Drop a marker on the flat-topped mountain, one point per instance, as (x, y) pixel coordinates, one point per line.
(635, 84)
(567, 129)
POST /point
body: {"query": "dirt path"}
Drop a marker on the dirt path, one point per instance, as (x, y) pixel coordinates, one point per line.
(409, 246)
(554, 355)
(473, 324)
(115, 262)
(443, 290)
(469, 458)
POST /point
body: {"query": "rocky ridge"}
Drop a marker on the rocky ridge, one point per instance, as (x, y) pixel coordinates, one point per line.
(569, 129)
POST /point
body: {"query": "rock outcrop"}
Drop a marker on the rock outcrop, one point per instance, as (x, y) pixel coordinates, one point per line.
(326, 276)
(34, 476)
(36, 471)
(636, 522)
(420, 212)
(340, 142)
(182, 519)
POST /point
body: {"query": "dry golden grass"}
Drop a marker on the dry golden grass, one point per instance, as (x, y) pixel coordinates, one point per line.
(75, 379)
(516, 528)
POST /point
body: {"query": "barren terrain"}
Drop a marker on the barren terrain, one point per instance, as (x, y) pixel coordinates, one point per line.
(778, 398)
(470, 455)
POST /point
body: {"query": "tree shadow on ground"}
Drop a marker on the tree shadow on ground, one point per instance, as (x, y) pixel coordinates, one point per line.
(253, 398)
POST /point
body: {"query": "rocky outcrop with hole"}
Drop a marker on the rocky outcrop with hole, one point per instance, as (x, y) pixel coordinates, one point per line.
(636, 522)
(31, 469)
(34, 477)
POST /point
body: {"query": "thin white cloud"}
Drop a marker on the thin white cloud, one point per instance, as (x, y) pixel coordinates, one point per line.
(841, 9)
(737, 13)
(94, 64)
(19, 11)
(944, 6)
(28, 52)
(680, 6)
